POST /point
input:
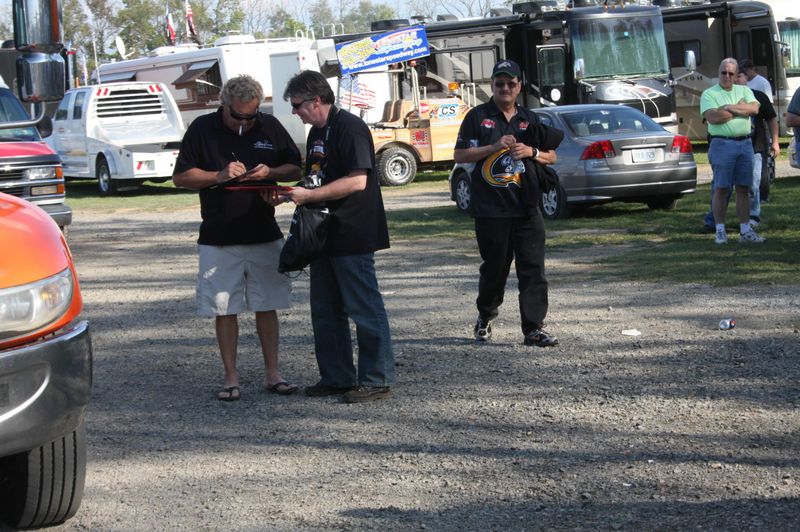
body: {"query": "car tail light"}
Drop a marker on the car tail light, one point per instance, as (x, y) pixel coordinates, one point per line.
(681, 144)
(602, 149)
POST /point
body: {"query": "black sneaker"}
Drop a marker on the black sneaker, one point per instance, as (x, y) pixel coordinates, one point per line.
(323, 390)
(483, 329)
(540, 338)
(364, 394)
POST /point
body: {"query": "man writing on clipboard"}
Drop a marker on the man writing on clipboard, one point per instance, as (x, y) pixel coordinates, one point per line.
(240, 241)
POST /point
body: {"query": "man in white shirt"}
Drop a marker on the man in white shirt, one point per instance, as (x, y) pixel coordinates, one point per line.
(756, 81)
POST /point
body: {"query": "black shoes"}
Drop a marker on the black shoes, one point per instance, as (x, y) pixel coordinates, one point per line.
(323, 390)
(364, 394)
(483, 330)
(540, 338)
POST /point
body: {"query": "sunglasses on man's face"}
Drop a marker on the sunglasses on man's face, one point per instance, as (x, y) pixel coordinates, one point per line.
(727, 73)
(500, 84)
(238, 116)
(297, 105)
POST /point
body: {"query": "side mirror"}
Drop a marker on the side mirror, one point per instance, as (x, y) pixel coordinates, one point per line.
(37, 26)
(579, 69)
(45, 126)
(40, 77)
(689, 61)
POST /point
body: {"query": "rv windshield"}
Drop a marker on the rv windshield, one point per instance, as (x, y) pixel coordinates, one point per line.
(790, 34)
(620, 46)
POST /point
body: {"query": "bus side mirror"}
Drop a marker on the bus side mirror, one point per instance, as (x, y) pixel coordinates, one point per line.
(40, 77)
(579, 69)
(37, 26)
(689, 61)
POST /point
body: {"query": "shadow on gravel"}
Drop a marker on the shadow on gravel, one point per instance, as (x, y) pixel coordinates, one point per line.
(663, 431)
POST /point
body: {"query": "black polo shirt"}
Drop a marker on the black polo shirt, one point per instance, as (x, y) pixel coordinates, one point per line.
(496, 187)
(358, 224)
(235, 217)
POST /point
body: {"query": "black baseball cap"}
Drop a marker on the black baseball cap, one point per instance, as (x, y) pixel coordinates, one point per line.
(508, 68)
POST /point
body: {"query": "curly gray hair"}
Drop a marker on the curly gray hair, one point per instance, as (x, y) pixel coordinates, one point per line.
(243, 88)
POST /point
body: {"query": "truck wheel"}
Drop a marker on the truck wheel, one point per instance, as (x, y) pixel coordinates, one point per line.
(461, 191)
(44, 486)
(106, 185)
(554, 204)
(396, 166)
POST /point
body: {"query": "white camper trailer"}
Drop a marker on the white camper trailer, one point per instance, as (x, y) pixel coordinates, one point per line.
(196, 75)
(119, 133)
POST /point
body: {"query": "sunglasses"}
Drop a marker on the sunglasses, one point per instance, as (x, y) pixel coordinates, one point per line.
(727, 73)
(296, 105)
(500, 84)
(238, 116)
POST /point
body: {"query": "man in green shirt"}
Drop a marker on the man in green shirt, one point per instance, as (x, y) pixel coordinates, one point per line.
(727, 108)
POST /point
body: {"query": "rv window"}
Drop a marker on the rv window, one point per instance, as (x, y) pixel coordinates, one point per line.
(63, 108)
(790, 34)
(741, 45)
(677, 52)
(462, 66)
(77, 109)
(551, 67)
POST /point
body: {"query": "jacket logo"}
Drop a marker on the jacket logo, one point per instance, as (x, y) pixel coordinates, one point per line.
(488, 123)
(263, 145)
(500, 170)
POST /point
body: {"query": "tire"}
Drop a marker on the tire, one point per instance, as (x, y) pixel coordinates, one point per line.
(461, 192)
(105, 184)
(396, 166)
(44, 486)
(662, 204)
(554, 204)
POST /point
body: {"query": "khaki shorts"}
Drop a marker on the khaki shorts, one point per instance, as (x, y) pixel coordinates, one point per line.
(233, 279)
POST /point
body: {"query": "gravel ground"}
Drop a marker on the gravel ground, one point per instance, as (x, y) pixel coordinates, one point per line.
(684, 426)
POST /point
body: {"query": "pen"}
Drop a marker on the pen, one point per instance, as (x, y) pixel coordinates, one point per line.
(235, 158)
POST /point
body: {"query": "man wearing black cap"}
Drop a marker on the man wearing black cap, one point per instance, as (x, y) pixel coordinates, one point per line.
(506, 226)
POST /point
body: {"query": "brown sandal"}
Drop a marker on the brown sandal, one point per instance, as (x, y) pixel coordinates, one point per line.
(232, 392)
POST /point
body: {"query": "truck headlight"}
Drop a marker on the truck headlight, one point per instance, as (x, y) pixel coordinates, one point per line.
(41, 172)
(32, 306)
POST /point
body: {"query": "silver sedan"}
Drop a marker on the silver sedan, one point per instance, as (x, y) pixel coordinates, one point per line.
(609, 153)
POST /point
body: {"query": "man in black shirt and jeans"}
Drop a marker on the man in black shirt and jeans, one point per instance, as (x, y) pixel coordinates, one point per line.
(506, 226)
(343, 281)
(240, 241)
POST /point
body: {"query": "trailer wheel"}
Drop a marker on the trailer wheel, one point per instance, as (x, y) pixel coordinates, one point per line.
(396, 166)
(44, 486)
(106, 185)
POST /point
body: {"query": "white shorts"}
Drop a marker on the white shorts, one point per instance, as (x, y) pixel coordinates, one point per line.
(233, 279)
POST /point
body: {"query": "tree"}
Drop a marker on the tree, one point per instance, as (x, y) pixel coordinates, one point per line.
(228, 17)
(361, 15)
(141, 24)
(282, 24)
(322, 20)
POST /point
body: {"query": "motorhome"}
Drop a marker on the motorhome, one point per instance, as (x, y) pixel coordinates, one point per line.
(741, 29)
(118, 133)
(195, 75)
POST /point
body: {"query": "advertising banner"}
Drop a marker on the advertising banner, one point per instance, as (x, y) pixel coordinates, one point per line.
(387, 48)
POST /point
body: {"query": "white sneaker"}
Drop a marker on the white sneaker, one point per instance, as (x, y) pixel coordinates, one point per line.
(721, 238)
(754, 223)
(751, 237)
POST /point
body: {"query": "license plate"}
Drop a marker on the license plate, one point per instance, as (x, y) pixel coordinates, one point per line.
(643, 155)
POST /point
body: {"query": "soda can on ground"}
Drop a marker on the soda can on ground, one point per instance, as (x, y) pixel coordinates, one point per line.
(727, 323)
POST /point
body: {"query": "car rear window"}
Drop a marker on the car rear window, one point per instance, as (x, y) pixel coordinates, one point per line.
(609, 121)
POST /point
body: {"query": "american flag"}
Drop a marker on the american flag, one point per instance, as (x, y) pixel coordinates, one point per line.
(169, 29)
(191, 31)
(355, 94)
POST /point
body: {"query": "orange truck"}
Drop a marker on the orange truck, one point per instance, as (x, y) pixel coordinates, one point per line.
(45, 370)
(45, 347)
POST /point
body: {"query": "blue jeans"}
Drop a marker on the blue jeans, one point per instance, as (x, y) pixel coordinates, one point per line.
(343, 287)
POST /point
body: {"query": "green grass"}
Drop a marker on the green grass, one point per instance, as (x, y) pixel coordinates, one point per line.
(645, 244)
(654, 245)
(700, 149)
